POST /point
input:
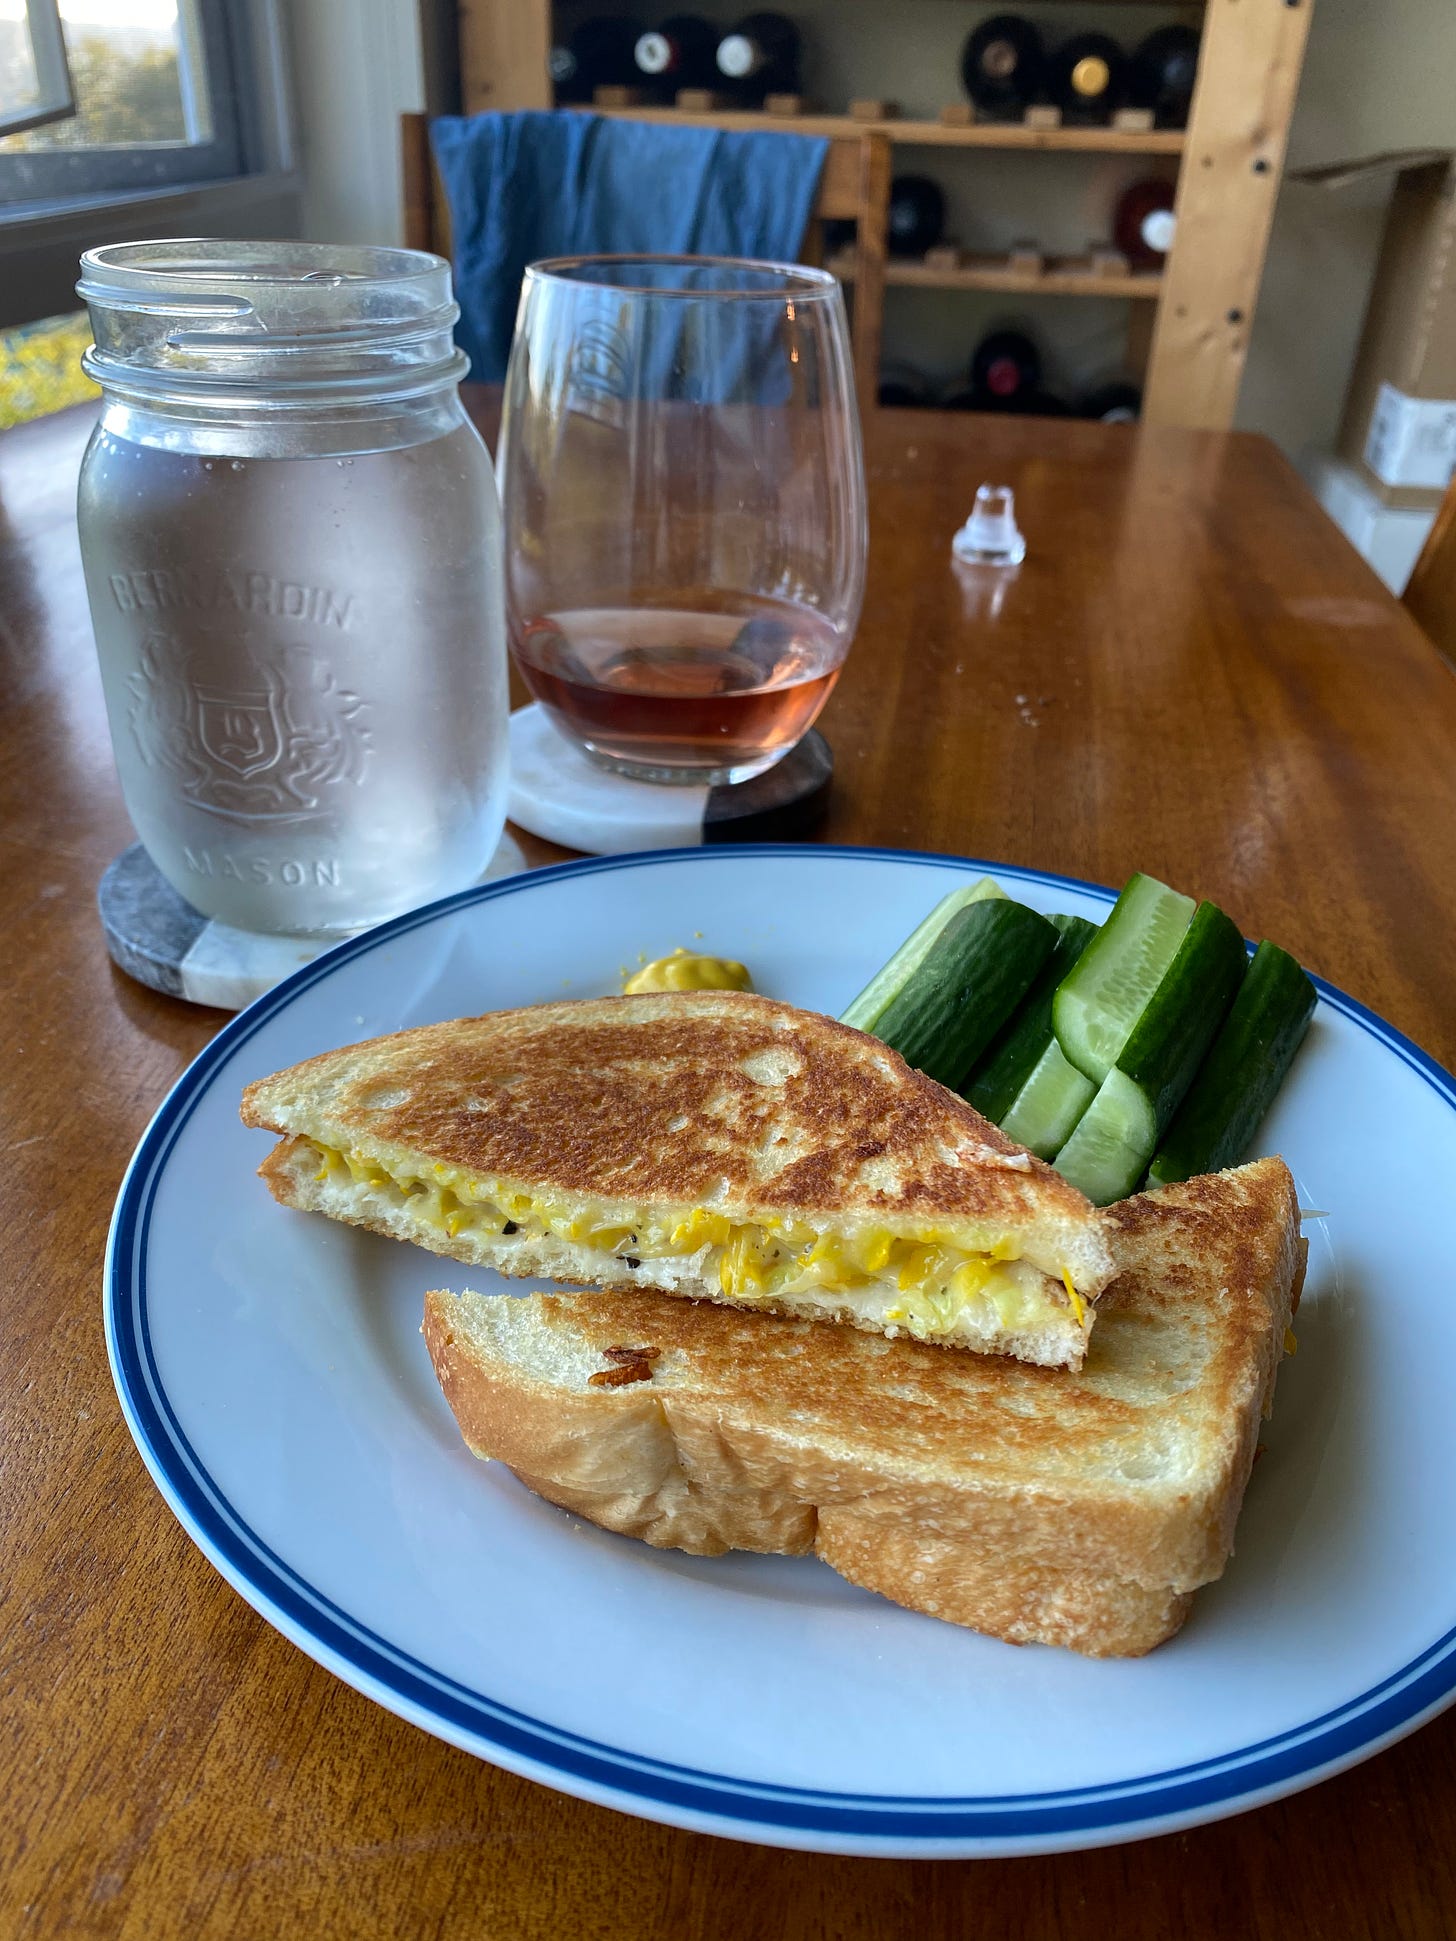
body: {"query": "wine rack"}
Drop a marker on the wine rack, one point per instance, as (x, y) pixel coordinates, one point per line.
(1056, 276)
(1189, 324)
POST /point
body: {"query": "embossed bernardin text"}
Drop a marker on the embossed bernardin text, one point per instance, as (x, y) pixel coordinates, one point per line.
(196, 590)
(272, 743)
(291, 870)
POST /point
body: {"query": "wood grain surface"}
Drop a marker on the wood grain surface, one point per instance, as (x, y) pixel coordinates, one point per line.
(1192, 674)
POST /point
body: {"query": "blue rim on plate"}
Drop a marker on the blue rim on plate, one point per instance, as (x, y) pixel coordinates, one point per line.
(683, 1795)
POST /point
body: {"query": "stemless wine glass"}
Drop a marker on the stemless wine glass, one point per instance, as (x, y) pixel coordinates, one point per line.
(684, 507)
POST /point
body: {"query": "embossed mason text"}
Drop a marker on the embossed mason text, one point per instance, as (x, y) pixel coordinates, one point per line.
(264, 869)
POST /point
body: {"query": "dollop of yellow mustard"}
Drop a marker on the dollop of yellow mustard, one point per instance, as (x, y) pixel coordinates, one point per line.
(684, 970)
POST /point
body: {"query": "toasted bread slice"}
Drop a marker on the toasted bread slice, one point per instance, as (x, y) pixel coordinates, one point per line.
(712, 1144)
(1077, 1509)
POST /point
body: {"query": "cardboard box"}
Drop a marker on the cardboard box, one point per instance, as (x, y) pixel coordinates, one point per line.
(1388, 536)
(1399, 426)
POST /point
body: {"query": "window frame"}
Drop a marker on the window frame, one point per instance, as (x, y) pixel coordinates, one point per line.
(63, 174)
(55, 96)
(41, 240)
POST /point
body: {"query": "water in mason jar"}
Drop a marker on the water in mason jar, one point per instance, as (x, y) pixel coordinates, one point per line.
(304, 672)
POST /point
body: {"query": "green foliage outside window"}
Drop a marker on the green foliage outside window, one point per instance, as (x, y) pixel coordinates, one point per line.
(124, 97)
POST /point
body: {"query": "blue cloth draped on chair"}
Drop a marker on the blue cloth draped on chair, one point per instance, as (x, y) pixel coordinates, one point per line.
(531, 185)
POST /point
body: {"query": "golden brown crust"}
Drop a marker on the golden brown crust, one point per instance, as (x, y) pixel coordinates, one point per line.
(676, 1098)
(677, 1485)
(1001, 1594)
(1080, 1509)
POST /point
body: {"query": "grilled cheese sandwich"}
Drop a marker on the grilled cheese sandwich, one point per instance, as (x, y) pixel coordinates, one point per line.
(711, 1144)
(1080, 1509)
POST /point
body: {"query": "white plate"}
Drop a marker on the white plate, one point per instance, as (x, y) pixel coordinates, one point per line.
(272, 1372)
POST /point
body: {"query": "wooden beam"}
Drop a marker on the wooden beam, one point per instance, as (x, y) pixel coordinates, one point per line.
(504, 49)
(931, 134)
(1248, 75)
(415, 168)
(871, 245)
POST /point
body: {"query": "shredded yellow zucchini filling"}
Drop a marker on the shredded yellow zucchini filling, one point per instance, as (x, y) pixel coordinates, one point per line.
(929, 1280)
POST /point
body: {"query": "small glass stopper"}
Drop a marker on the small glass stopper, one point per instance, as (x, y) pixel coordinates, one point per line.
(991, 537)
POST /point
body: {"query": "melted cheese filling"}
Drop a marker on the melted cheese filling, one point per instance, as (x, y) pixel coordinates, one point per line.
(927, 1282)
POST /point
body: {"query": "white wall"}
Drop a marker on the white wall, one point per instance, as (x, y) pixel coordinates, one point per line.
(357, 68)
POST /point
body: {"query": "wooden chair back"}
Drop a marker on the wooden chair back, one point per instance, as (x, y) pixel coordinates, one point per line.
(854, 187)
(1430, 594)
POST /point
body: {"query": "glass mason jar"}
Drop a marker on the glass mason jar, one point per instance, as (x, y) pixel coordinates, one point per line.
(292, 549)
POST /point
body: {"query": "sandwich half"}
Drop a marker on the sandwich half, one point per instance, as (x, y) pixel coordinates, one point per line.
(1071, 1509)
(712, 1144)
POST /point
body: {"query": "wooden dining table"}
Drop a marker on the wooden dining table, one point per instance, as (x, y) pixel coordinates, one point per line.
(1191, 674)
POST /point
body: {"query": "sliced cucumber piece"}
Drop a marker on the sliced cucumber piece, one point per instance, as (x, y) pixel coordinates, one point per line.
(1102, 997)
(1049, 1105)
(1115, 1138)
(1007, 1066)
(1106, 1154)
(888, 981)
(1245, 1067)
(976, 972)
(1181, 1019)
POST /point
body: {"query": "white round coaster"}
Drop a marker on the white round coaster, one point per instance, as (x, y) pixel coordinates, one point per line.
(558, 793)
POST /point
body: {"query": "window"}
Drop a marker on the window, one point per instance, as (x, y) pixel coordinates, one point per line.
(137, 118)
(154, 85)
(35, 81)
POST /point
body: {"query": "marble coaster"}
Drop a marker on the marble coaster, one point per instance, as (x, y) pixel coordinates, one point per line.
(157, 938)
(556, 792)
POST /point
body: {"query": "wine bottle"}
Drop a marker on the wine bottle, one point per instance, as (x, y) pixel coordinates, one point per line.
(598, 54)
(917, 215)
(1142, 225)
(761, 56)
(1164, 68)
(1118, 403)
(1087, 77)
(680, 53)
(1002, 64)
(1005, 364)
(561, 65)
